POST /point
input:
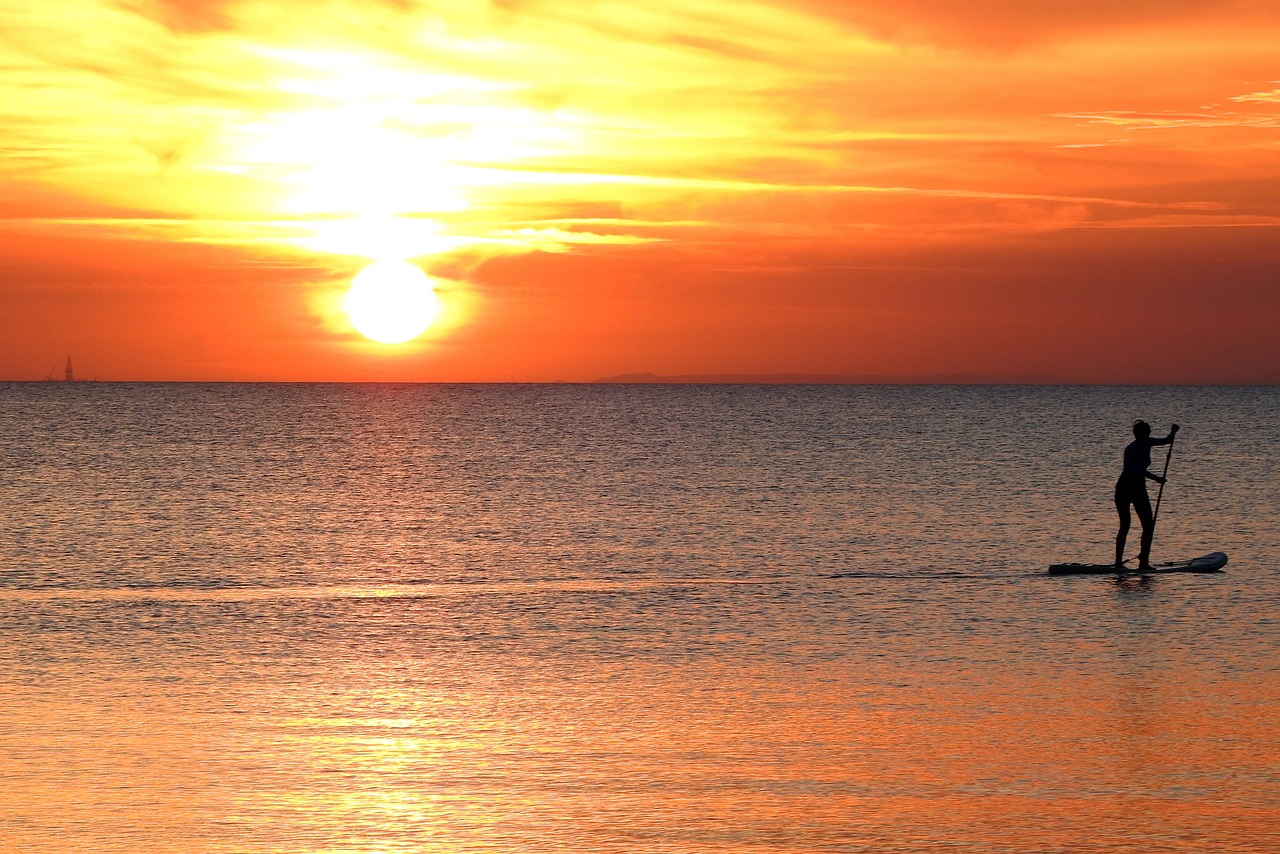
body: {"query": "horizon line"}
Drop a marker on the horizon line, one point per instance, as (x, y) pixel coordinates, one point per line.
(783, 379)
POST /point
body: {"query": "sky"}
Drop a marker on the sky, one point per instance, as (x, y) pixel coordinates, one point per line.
(1088, 190)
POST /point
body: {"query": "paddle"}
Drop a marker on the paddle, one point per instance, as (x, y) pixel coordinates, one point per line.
(1164, 477)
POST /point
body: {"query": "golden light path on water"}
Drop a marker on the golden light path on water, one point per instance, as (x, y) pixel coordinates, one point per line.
(396, 739)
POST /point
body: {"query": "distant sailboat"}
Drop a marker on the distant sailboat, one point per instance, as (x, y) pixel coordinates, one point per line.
(69, 376)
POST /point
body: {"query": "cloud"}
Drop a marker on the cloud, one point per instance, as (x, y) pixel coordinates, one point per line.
(1024, 23)
(183, 15)
(1271, 97)
(732, 112)
(1159, 121)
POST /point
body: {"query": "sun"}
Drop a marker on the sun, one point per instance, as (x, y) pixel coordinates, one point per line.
(391, 301)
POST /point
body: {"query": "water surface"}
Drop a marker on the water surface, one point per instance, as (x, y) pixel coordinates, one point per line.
(352, 618)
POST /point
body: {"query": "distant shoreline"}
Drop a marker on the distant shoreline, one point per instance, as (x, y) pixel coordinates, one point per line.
(836, 379)
(701, 379)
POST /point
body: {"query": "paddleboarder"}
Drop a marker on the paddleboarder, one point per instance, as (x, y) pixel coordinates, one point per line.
(1131, 490)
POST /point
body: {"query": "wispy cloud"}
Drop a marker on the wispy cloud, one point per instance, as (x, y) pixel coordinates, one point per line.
(1030, 24)
(1160, 121)
(1272, 97)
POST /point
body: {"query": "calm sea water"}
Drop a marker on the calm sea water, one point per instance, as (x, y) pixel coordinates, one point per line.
(520, 619)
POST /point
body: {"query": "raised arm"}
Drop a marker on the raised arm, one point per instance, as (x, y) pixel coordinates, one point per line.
(1167, 440)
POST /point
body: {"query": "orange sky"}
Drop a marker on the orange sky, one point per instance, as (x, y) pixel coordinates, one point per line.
(1088, 189)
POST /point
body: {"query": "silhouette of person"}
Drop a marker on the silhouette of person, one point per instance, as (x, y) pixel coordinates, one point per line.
(1131, 490)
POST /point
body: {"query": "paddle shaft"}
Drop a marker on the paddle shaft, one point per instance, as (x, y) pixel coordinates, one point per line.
(1164, 476)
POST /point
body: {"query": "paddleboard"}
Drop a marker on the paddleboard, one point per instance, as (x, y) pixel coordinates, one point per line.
(1213, 562)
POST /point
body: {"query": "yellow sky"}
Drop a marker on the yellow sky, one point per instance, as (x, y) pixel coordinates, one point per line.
(608, 187)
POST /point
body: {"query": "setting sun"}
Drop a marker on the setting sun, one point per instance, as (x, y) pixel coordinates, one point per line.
(391, 301)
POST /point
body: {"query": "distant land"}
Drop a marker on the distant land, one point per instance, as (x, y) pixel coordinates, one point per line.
(841, 379)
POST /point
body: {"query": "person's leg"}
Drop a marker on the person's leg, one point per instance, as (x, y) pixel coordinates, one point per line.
(1142, 506)
(1122, 509)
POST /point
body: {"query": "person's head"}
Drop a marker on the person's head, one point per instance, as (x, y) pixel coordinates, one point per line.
(1141, 429)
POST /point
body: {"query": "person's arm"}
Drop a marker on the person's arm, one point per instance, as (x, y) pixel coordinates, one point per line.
(1167, 440)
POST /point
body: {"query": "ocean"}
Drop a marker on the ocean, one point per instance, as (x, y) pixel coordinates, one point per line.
(631, 618)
